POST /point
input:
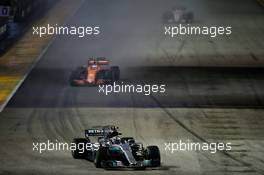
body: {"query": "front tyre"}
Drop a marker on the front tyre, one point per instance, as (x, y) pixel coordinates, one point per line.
(152, 153)
(78, 74)
(101, 155)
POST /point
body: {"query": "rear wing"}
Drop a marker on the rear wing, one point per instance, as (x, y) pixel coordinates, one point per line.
(101, 131)
(98, 61)
(94, 132)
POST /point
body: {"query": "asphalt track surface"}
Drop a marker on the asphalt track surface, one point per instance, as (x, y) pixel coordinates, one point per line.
(47, 108)
(185, 87)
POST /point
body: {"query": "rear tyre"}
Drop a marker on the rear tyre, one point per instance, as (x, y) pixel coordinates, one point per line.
(153, 154)
(189, 17)
(115, 73)
(167, 17)
(80, 151)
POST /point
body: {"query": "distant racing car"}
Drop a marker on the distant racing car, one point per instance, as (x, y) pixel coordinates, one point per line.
(96, 72)
(178, 15)
(112, 151)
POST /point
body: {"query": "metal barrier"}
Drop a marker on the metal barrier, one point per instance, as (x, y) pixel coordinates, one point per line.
(3, 29)
(17, 13)
(5, 9)
(22, 9)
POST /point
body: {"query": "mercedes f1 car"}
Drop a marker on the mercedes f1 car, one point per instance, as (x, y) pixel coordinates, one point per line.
(112, 151)
(178, 15)
(96, 72)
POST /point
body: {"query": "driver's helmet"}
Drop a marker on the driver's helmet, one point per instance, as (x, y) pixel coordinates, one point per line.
(131, 141)
(94, 66)
(116, 140)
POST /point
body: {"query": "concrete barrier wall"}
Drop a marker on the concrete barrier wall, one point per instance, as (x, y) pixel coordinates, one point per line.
(3, 28)
(22, 9)
(261, 2)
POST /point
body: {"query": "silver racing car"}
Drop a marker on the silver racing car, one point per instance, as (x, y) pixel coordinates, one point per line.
(178, 14)
(113, 151)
